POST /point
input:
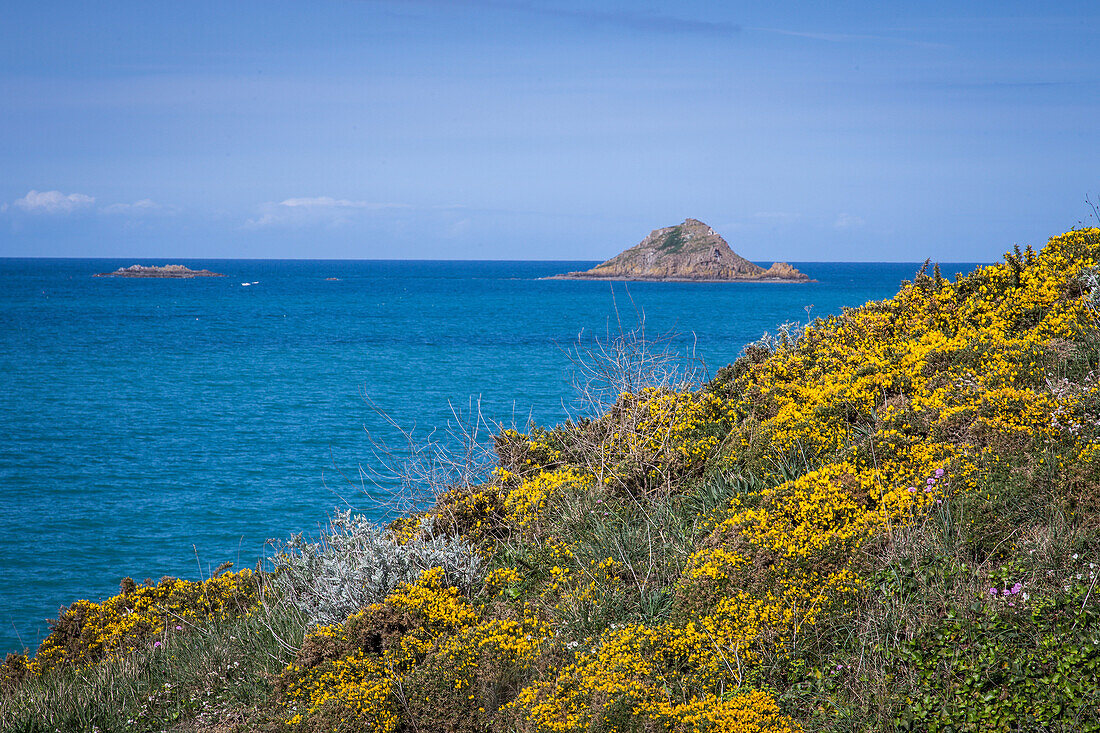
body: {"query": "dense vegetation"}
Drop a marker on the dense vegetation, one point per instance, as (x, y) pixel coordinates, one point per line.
(886, 520)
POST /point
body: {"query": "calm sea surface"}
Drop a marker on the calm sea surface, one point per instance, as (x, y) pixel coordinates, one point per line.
(160, 427)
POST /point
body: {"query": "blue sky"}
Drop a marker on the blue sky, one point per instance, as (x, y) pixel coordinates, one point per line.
(508, 129)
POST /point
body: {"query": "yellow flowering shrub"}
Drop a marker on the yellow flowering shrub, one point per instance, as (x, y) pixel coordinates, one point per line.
(521, 454)
(526, 502)
(963, 357)
(352, 692)
(647, 438)
(406, 528)
(426, 658)
(476, 512)
(501, 579)
(899, 403)
(745, 712)
(141, 616)
(652, 437)
(638, 675)
(891, 409)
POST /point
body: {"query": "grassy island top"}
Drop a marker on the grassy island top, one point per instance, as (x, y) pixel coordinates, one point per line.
(886, 520)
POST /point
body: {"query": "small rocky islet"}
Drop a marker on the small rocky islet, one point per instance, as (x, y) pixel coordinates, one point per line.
(173, 271)
(688, 252)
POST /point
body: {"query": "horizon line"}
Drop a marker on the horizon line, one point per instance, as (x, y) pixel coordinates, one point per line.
(463, 259)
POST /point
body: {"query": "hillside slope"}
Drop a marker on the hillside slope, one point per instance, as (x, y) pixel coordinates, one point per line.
(889, 520)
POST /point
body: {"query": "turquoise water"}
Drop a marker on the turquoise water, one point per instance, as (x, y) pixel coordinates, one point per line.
(160, 427)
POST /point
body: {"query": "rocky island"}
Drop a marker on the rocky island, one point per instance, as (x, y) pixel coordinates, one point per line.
(154, 271)
(687, 252)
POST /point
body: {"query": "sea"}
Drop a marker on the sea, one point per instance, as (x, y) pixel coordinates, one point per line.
(153, 427)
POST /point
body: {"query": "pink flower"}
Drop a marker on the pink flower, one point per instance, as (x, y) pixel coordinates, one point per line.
(912, 489)
(939, 472)
(156, 645)
(928, 489)
(179, 628)
(992, 591)
(1017, 588)
(931, 481)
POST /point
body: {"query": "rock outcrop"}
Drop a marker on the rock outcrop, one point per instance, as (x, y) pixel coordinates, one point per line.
(154, 271)
(691, 251)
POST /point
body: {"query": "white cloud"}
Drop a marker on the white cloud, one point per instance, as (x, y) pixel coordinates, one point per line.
(847, 221)
(327, 202)
(315, 210)
(138, 208)
(53, 202)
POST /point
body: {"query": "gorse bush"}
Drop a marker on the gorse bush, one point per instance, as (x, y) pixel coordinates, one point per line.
(425, 657)
(888, 519)
(118, 664)
(356, 563)
(209, 676)
(140, 616)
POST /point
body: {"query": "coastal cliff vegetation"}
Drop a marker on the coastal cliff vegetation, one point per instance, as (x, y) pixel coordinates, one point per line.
(883, 520)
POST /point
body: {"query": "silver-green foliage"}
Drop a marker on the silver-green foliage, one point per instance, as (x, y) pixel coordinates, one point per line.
(356, 563)
(1090, 279)
(786, 337)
